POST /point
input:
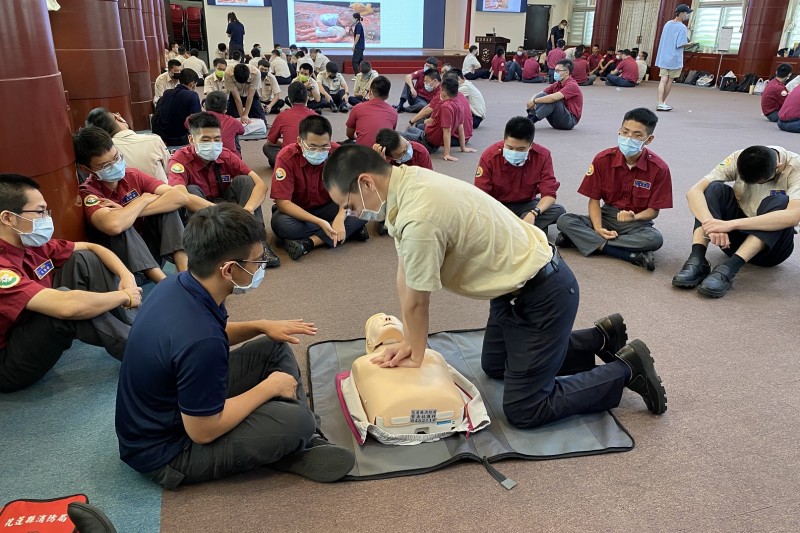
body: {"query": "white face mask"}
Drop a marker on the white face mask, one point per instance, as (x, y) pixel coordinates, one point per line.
(40, 234)
(369, 214)
(258, 276)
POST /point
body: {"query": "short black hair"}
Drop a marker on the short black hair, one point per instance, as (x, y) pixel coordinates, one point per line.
(389, 139)
(298, 94)
(236, 56)
(645, 55)
(561, 43)
(173, 63)
(202, 120)
(304, 49)
(181, 50)
(450, 87)
(220, 233)
(292, 46)
(314, 124)
(579, 50)
(345, 165)
(520, 128)
(380, 87)
(222, 47)
(610, 49)
(434, 75)
(263, 63)
(195, 52)
(103, 119)
(13, 191)
(275, 52)
(241, 73)
(626, 52)
(220, 61)
(757, 164)
(308, 67)
(255, 52)
(455, 72)
(473, 48)
(90, 142)
(299, 54)
(432, 61)
(783, 70)
(188, 76)
(331, 68)
(365, 67)
(217, 101)
(500, 51)
(567, 63)
(643, 116)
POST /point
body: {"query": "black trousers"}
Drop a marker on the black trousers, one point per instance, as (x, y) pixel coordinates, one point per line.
(529, 341)
(336, 96)
(542, 221)
(256, 109)
(723, 206)
(358, 57)
(239, 192)
(480, 74)
(37, 341)
(277, 428)
(287, 227)
(271, 152)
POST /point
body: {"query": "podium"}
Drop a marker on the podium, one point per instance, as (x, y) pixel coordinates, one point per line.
(487, 46)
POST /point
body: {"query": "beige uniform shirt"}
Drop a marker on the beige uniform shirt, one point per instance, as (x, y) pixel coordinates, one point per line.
(749, 196)
(320, 62)
(254, 80)
(279, 67)
(362, 83)
(144, 152)
(164, 82)
(213, 83)
(313, 88)
(197, 65)
(332, 85)
(450, 234)
(269, 88)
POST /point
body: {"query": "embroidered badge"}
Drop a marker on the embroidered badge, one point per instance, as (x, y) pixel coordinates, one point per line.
(641, 184)
(8, 279)
(177, 168)
(726, 162)
(280, 174)
(44, 269)
(479, 172)
(91, 200)
(590, 171)
(226, 178)
(777, 192)
(128, 198)
(784, 93)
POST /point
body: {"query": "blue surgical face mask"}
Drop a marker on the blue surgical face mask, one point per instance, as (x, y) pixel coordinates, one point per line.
(113, 173)
(515, 158)
(315, 158)
(427, 67)
(629, 147)
(557, 76)
(41, 233)
(409, 153)
(209, 151)
(429, 87)
(258, 276)
(369, 214)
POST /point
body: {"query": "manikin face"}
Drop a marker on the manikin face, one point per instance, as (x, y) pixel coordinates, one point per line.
(382, 329)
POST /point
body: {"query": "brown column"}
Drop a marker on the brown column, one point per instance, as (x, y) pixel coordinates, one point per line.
(606, 23)
(154, 49)
(665, 13)
(36, 139)
(161, 30)
(88, 42)
(761, 38)
(130, 18)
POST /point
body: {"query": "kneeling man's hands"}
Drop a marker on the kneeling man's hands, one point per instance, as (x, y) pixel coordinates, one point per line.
(282, 384)
(282, 330)
(396, 355)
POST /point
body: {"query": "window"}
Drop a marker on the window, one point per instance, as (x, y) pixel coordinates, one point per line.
(793, 24)
(582, 22)
(710, 17)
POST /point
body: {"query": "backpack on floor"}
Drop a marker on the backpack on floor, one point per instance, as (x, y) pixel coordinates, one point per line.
(705, 79)
(42, 516)
(686, 76)
(748, 80)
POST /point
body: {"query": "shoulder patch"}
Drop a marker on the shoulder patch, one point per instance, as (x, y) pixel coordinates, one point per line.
(177, 168)
(91, 200)
(280, 174)
(8, 279)
(727, 162)
(479, 172)
(784, 93)
(590, 171)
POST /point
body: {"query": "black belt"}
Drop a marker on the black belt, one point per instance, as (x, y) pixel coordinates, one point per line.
(545, 272)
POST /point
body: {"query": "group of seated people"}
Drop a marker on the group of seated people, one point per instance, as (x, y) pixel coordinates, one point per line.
(780, 102)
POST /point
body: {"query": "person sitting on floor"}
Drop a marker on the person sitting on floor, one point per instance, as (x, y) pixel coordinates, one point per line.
(519, 173)
(127, 211)
(477, 105)
(39, 318)
(222, 51)
(142, 151)
(319, 59)
(174, 107)
(189, 409)
(270, 91)
(209, 174)
(374, 114)
(466, 109)
(641, 63)
(594, 59)
(286, 127)
(318, 98)
(397, 150)
(605, 65)
(560, 103)
(553, 57)
(304, 216)
(243, 83)
(280, 68)
(416, 90)
(789, 114)
(336, 87)
(167, 80)
(580, 70)
(626, 72)
(363, 81)
(194, 62)
(216, 80)
(514, 67)
(433, 82)
(775, 92)
(531, 72)
(216, 104)
(634, 184)
(752, 222)
(472, 68)
(498, 69)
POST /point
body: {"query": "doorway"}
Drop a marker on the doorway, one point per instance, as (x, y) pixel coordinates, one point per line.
(537, 29)
(637, 25)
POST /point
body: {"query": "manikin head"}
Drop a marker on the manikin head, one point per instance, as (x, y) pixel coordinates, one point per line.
(382, 329)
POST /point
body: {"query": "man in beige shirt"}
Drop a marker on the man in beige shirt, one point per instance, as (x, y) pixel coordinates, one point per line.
(144, 152)
(215, 81)
(279, 67)
(195, 63)
(243, 83)
(449, 234)
(270, 92)
(167, 80)
(363, 81)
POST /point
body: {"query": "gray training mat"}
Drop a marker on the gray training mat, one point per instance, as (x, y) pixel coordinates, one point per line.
(578, 435)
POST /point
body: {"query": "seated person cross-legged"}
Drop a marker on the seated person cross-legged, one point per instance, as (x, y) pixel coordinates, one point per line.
(335, 85)
(634, 184)
(372, 115)
(209, 174)
(519, 173)
(752, 222)
(318, 98)
(173, 108)
(133, 214)
(626, 73)
(362, 83)
(775, 92)
(189, 409)
(304, 216)
(416, 91)
(789, 114)
(560, 103)
(53, 291)
(286, 126)
(270, 92)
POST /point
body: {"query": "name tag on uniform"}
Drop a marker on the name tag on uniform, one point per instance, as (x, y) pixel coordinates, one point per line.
(130, 197)
(777, 192)
(226, 178)
(44, 269)
(642, 184)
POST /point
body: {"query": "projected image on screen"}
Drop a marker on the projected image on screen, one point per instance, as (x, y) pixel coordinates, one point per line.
(240, 3)
(329, 23)
(503, 6)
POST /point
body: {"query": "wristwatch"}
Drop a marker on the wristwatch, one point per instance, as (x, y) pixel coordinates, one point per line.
(536, 211)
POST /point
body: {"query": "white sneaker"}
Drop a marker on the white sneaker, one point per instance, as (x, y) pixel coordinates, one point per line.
(663, 107)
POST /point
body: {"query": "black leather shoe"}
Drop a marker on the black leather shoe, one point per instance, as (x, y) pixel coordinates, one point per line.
(615, 336)
(718, 282)
(646, 260)
(562, 241)
(694, 270)
(272, 260)
(362, 235)
(321, 461)
(644, 380)
(343, 108)
(382, 228)
(295, 249)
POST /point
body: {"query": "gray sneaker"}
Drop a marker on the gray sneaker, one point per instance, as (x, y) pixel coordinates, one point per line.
(321, 461)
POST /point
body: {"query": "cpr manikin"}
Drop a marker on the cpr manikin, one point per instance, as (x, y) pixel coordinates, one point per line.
(407, 405)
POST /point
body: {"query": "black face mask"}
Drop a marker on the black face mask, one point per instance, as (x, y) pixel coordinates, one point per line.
(264, 75)
(176, 76)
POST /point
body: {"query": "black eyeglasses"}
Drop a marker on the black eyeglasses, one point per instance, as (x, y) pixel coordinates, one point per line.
(260, 262)
(43, 213)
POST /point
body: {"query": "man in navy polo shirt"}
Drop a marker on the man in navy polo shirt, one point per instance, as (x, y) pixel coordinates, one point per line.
(191, 410)
(174, 107)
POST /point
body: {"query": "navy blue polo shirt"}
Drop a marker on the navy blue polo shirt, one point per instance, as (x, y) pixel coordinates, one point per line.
(359, 30)
(236, 31)
(176, 104)
(176, 361)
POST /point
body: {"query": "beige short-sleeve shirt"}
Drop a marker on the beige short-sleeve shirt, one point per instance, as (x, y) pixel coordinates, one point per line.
(450, 234)
(144, 152)
(254, 80)
(362, 83)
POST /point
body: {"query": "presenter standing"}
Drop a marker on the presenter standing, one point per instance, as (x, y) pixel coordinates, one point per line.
(235, 33)
(358, 43)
